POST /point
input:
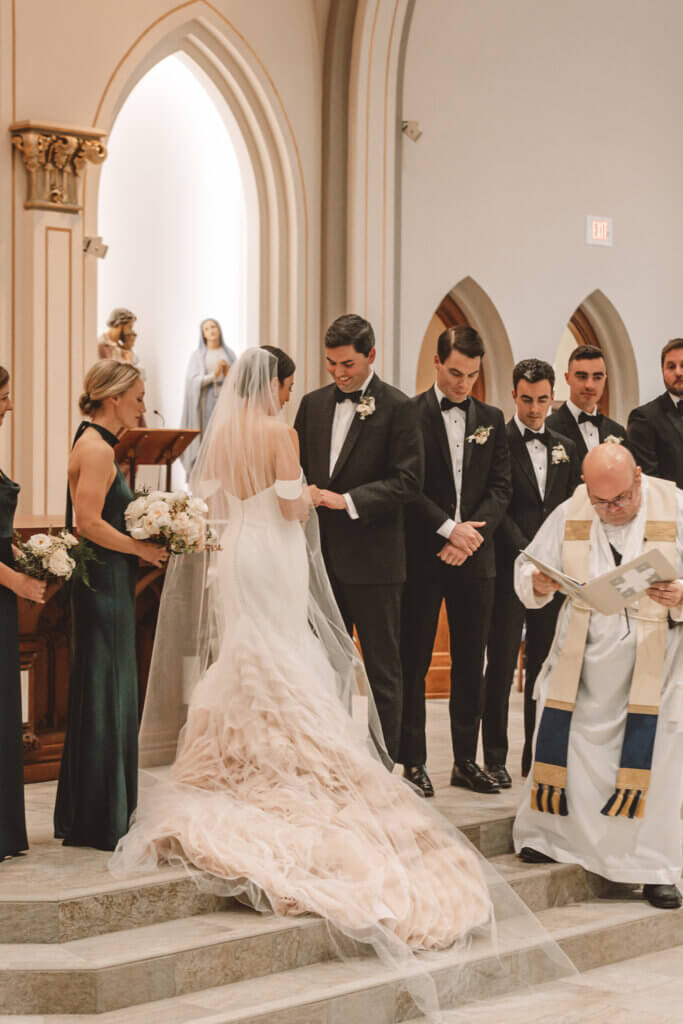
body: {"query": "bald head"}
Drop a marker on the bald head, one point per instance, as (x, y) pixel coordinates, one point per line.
(613, 482)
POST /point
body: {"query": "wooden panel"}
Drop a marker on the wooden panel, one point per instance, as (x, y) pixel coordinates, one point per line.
(438, 683)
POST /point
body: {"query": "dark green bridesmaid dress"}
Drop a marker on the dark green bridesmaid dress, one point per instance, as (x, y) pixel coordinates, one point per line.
(98, 780)
(12, 820)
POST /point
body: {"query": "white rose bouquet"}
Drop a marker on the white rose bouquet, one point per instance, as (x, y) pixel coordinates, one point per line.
(174, 519)
(58, 556)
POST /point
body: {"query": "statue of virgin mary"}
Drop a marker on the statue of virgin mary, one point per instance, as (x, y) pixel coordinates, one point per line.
(206, 372)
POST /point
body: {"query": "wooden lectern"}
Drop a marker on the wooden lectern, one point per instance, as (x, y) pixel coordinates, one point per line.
(146, 447)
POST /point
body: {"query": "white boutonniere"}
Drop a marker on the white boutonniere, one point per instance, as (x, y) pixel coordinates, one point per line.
(613, 439)
(480, 435)
(366, 406)
(559, 454)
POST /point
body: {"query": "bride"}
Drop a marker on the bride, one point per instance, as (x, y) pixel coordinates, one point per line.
(279, 793)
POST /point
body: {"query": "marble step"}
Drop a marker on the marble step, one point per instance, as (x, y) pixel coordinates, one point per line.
(125, 905)
(49, 896)
(281, 971)
(357, 991)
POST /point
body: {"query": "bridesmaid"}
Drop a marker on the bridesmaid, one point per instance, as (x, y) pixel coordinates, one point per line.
(97, 790)
(13, 584)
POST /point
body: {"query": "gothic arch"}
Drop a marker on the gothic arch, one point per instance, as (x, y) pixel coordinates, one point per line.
(609, 331)
(281, 296)
(477, 309)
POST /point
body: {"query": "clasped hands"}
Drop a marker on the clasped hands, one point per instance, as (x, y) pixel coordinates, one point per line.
(464, 540)
(328, 499)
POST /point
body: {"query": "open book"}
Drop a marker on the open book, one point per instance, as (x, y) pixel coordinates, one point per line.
(618, 588)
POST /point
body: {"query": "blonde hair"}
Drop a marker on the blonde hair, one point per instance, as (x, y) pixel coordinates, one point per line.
(107, 378)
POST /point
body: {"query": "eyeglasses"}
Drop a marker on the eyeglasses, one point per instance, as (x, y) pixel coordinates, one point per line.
(620, 501)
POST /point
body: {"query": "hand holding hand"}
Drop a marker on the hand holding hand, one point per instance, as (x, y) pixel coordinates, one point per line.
(150, 552)
(668, 594)
(451, 555)
(329, 499)
(466, 536)
(30, 589)
(542, 584)
(314, 494)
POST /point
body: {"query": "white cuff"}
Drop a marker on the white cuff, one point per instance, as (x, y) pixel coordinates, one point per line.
(446, 529)
(524, 585)
(350, 507)
(290, 490)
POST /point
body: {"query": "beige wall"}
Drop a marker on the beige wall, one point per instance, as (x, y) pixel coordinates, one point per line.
(534, 115)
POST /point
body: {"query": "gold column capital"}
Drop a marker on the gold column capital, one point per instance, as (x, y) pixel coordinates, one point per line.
(54, 156)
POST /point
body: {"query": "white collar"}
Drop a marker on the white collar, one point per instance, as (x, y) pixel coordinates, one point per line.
(675, 399)
(439, 395)
(520, 426)
(576, 412)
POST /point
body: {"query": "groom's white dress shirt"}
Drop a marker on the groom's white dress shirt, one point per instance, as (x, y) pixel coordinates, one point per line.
(589, 431)
(341, 424)
(455, 424)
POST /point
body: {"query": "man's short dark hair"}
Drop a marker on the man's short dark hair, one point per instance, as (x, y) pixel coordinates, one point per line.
(585, 352)
(459, 339)
(670, 346)
(533, 371)
(351, 329)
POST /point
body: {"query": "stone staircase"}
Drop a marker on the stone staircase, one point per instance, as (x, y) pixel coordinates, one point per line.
(158, 949)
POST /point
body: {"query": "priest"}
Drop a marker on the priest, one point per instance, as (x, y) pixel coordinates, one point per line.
(605, 787)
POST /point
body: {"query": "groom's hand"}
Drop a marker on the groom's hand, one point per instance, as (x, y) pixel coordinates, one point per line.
(330, 499)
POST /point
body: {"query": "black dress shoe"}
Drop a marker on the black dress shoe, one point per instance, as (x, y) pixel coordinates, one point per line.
(500, 775)
(666, 897)
(417, 774)
(471, 776)
(530, 856)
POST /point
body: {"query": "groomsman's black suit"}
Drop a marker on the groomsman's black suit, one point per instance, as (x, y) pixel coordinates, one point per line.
(380, 466)
(562, 422)
(467, 589)
(525, 514)
(655, 436)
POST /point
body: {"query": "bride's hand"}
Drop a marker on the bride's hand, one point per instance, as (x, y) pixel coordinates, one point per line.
(314, 495)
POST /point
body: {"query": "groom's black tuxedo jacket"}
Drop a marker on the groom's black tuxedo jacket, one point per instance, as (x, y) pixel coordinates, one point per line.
(380, 465)
(563, 422)
(655, 436)
(486, 488)
(527, 510)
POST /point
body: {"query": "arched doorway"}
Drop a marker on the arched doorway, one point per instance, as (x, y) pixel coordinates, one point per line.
(174, 218)
(596, 322)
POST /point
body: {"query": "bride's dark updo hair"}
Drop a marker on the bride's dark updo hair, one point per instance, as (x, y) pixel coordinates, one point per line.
(285, 364)
(107, 378)
(4, 376)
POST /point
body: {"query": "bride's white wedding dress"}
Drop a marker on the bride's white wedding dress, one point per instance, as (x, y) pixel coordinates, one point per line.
(275, 793)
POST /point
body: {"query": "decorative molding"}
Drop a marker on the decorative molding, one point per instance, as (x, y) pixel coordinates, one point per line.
(54, 156)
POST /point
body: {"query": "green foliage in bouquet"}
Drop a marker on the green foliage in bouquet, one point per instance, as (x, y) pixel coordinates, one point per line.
(55, 556)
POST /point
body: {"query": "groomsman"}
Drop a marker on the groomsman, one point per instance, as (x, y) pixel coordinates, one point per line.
(579, 418)
(360, 446)
(655, 430)
(545, 472)
(449, 535)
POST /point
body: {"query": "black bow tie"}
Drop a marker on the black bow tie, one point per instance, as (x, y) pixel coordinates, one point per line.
(595, 420)
(344, 396)
(446, 404)
(531, 435)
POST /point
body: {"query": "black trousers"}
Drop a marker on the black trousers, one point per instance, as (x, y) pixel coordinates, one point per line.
(505, 635)
(468, 607)
(375, 611)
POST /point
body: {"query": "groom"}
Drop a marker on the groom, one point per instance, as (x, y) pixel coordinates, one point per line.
(360, 446)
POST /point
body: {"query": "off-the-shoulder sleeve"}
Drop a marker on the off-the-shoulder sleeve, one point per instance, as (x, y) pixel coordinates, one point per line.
(290, 490)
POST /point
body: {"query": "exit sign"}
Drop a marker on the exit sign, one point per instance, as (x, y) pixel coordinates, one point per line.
(599, 230)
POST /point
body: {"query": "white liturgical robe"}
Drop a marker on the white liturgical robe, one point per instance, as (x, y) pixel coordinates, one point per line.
(647, 850)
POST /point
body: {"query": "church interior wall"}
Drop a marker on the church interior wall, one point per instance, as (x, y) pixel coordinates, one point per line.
(535, 115)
